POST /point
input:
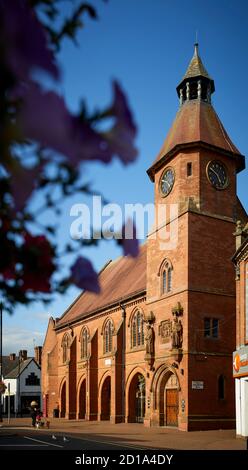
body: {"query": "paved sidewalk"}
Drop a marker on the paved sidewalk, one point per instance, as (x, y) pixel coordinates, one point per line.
(137, 434)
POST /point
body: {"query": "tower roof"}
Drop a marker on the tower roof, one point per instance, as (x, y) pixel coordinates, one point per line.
(196, 70)
(196, 123)
(196, 67)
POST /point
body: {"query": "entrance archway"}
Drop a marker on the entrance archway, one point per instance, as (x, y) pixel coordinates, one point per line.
(63, 401)
(82, 400)
(137, 399)
(106, 399)
(168, 400)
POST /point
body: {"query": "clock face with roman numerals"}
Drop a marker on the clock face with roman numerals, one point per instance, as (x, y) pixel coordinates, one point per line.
(167, 181)
(217, 174)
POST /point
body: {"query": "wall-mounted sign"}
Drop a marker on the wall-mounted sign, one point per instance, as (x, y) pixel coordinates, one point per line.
(197, 384)
(240, 362)
(107, 362)
(246, 304)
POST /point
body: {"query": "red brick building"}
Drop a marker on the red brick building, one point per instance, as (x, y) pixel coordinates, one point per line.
(156, 345)
(240, 356)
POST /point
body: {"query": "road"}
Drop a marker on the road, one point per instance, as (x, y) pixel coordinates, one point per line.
(25, 439)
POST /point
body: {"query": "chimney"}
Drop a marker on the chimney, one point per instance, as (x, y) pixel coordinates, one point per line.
(37, 354)
(12, 357)
(23, 354)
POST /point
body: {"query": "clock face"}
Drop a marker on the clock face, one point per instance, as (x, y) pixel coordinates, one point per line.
(217, 174)
(167, 181)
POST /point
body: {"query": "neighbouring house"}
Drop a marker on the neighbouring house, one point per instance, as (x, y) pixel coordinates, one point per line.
(22, 376)
(240, 356)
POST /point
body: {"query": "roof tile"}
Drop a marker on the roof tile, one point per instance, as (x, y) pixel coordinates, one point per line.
(120, 279)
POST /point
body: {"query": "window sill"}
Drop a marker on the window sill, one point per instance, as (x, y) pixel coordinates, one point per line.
(166, 294)
(137, 348)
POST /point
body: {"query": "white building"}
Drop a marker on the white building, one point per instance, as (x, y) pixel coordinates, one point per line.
(22, 376)
(240, 356)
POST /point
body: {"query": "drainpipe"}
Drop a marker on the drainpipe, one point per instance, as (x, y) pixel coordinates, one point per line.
(123, 359)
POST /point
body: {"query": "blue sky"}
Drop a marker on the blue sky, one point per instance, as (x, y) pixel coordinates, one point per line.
(146, 45)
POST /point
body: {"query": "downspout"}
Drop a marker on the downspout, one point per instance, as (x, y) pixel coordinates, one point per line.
(123, 360)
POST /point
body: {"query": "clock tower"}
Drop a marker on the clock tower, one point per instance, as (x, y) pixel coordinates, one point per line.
(190, 277)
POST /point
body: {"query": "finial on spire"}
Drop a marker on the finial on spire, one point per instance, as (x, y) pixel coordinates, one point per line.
(196, 45)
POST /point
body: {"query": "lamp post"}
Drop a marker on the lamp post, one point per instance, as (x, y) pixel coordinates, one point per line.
(1, 356)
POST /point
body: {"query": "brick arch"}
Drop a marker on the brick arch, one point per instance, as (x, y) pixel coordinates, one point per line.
(81, 379)
(163, 373)
(131, 393)
(62, 397)
(105, 396)
(163, 264)
(134, 371)
(135, 309)
(105, 323)
(81, 397)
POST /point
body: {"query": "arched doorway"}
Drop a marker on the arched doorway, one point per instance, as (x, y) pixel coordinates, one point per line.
(106, 399)
(137, 399)
(168, 400)
(82, 400)
(63, 401)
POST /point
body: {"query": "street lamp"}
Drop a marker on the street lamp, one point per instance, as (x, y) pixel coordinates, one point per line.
(1, 357)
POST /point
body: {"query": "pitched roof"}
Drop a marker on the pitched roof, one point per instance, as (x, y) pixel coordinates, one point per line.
(8, 365)
(14, 373)
(122, 278)
(197, 121)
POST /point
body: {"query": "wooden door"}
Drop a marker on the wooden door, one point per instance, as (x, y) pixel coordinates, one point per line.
(171, 407)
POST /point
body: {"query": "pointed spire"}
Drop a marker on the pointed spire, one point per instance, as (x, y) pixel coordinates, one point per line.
(196, 83)
(196, 67)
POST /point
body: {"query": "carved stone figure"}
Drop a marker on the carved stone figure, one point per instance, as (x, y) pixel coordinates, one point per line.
(149, 340)
(176, 333)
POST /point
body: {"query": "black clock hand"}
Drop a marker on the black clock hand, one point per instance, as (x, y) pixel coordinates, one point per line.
(216, 174)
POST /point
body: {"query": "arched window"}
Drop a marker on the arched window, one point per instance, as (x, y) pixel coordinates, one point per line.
(221, 387)
(108, 336)
(65, 345)
(169, 280)
(164, 283)
(137, 330)
(165, 272)
(84, 343)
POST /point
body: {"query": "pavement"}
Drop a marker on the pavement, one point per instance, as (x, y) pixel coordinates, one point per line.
(133, 435)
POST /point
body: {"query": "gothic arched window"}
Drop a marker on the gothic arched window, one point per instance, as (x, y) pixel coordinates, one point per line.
(65, 346)
(221, 387)
(137, 330)
(84, 343)
(165, 273)
(169, 279)
(108, 336)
